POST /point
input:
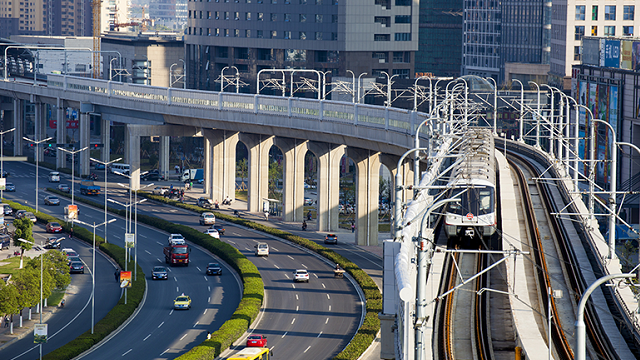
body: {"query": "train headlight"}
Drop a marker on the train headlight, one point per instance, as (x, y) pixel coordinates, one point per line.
(450, 229)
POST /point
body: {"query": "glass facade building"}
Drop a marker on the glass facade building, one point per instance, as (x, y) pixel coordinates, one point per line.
(439, 51)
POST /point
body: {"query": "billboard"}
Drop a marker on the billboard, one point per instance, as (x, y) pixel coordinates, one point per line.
(39, 333)
(129, 239)
(612, 53)
(626, 55)
(125, 279)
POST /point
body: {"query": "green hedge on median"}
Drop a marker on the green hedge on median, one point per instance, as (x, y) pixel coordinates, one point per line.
(253, 292)
(371, 325)
(114, 318)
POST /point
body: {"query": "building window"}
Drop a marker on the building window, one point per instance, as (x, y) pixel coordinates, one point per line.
(217, 15)
(236, 33)
(303, 18)
(259, 34)
(382, 57)
(226, 15)
(318, 2)
(627, 30)
(576, 53)
(401, 57)
(629, 12)
(274, 17)
(402, 73)
(217, 32)
(579, 32)
(381, 37)
(303, 2)
(334, 19)
(594, 13)
(580, 9)
(318, 35)
(226, 32)
(287, 17)
(402, 37)
(334, 36)
(377, 73)
(260, 16)
(594, 31)
(200, 14)
(209, 15)
(609, 31)
(303, 35)
(247, 33)
(403, 19)
(208, 32)
(287, 34)
(274, 34)
(247, 16)
(609, 12)
(200, 31)
(403, 2)
(222, 52)
(274, 1)
(236, 15)
(318, 18)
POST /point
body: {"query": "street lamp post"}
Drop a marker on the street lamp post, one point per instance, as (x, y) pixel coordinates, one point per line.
(521, 110)
(41, 277)
(93, 268)
(106, 165)
(73, 167)
(353, 86)
(37, 145)
(359, 85)
(2, 155)
(613, 188)
(581, 342)
(389, 78)
(135, 231)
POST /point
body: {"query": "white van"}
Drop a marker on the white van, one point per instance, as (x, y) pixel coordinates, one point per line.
(120, 168)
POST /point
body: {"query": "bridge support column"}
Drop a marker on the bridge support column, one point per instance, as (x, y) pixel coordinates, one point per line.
(105, 139)
(293, 173)
(220, 163)
(258, 147)
(18, 123)
(163, 157)
(328, 188)
(391, 162)
(84, 127)
(367, 195)
(61, 132)
(40, 119)
(132, 144)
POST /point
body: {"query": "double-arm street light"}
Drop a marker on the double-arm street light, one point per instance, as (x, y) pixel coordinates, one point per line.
(73, 167)
(2, 154)
(93, 268)
(127, 206)
(41, 277)
(106, 165)
(37, 145)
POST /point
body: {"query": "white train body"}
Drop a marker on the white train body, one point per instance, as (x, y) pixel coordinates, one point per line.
(474, 182)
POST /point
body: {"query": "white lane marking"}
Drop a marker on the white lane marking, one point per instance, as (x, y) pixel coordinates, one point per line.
(183, 336)
(293, 286)
(307, 349)
(292, 321)
(277, 267)
(206, 278)
(274, 249)
(128, 351)
(209, 299)
(143, 235)
(290, 257)
(146, 337)
(158, 260)
(324, 287)
(316, 336)
(177, 289)
(169, 269)
(209, 288)
(173, 210)
(246, 248)
(159, 243)
(328, 297)
(296, 296)
(205, 311)
(326, 321)
(170, 312)
(148, 252)
(198, 269)
(175, 278)
(162, 323)
(233, 242)
(287, 275)
(285, 334)
(297, 307)
(162, 353)
(196, 324)
(316, 275)
(236, 234)
(305, 266)
(329, 307)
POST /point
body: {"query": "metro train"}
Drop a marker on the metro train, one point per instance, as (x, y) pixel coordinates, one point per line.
(473, 219)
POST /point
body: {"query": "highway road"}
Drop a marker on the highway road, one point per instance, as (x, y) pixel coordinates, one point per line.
(68, 323)
(156, 331)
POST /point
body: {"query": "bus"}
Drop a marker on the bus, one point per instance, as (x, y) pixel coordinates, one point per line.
(251, 353)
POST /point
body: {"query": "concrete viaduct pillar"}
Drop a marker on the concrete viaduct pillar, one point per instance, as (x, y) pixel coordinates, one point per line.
(220, 163)
(105, 139)
(367, 195)
(164, 156)
(328, 188)
(258, 146)
(83, 130)
(61, 133)
(293, 151)
(391, 162)
(40, 132)
(18, 122)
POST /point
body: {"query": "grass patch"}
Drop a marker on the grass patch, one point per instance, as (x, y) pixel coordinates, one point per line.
(10, 266)
(242, 195)
(56, 296)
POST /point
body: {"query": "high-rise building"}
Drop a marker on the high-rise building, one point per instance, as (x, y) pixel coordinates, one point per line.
(439, 49)
(503, 37)
(46, 17)
(170, 13)
(572, 19)
(362, 36)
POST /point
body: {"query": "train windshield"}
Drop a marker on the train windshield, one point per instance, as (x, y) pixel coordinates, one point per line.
(476, 200)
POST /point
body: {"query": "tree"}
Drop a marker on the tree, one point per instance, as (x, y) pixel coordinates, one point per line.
(56, 263)
(8, 299)
(242, 168)
(27, 282)
(23, 231)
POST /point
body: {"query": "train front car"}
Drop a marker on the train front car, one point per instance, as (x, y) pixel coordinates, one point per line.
(472, 221)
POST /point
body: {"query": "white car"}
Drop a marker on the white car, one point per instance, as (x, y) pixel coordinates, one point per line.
(301, 275)
(213, 233)
(54, 176)
(207, 218)
(176, 239)
(262, 249)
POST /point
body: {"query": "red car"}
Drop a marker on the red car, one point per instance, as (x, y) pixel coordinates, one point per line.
(54, 227)
(257, 340)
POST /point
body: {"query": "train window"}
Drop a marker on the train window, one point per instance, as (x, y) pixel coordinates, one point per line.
(485, 201)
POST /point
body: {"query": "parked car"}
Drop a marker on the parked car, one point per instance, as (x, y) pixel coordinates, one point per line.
(53, 227)
(20, 214)
(213, 233)
(159, 272)
(257, 340)
(76, 267)
(205, 203)
(10, 187)
(214, 269)
(308, 201)
(69, 252)
(331, 239)
(160, 190)
(51, 200)
(64, 188)
(300, 275)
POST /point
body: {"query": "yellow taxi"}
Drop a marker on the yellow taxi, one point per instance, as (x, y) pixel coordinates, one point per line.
(182, 302)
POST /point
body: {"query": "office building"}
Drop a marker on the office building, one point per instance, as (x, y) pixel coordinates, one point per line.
(440, 35)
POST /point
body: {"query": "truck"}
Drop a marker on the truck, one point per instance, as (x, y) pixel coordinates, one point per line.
(177, 254)
(87, 187)
(192, 175)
